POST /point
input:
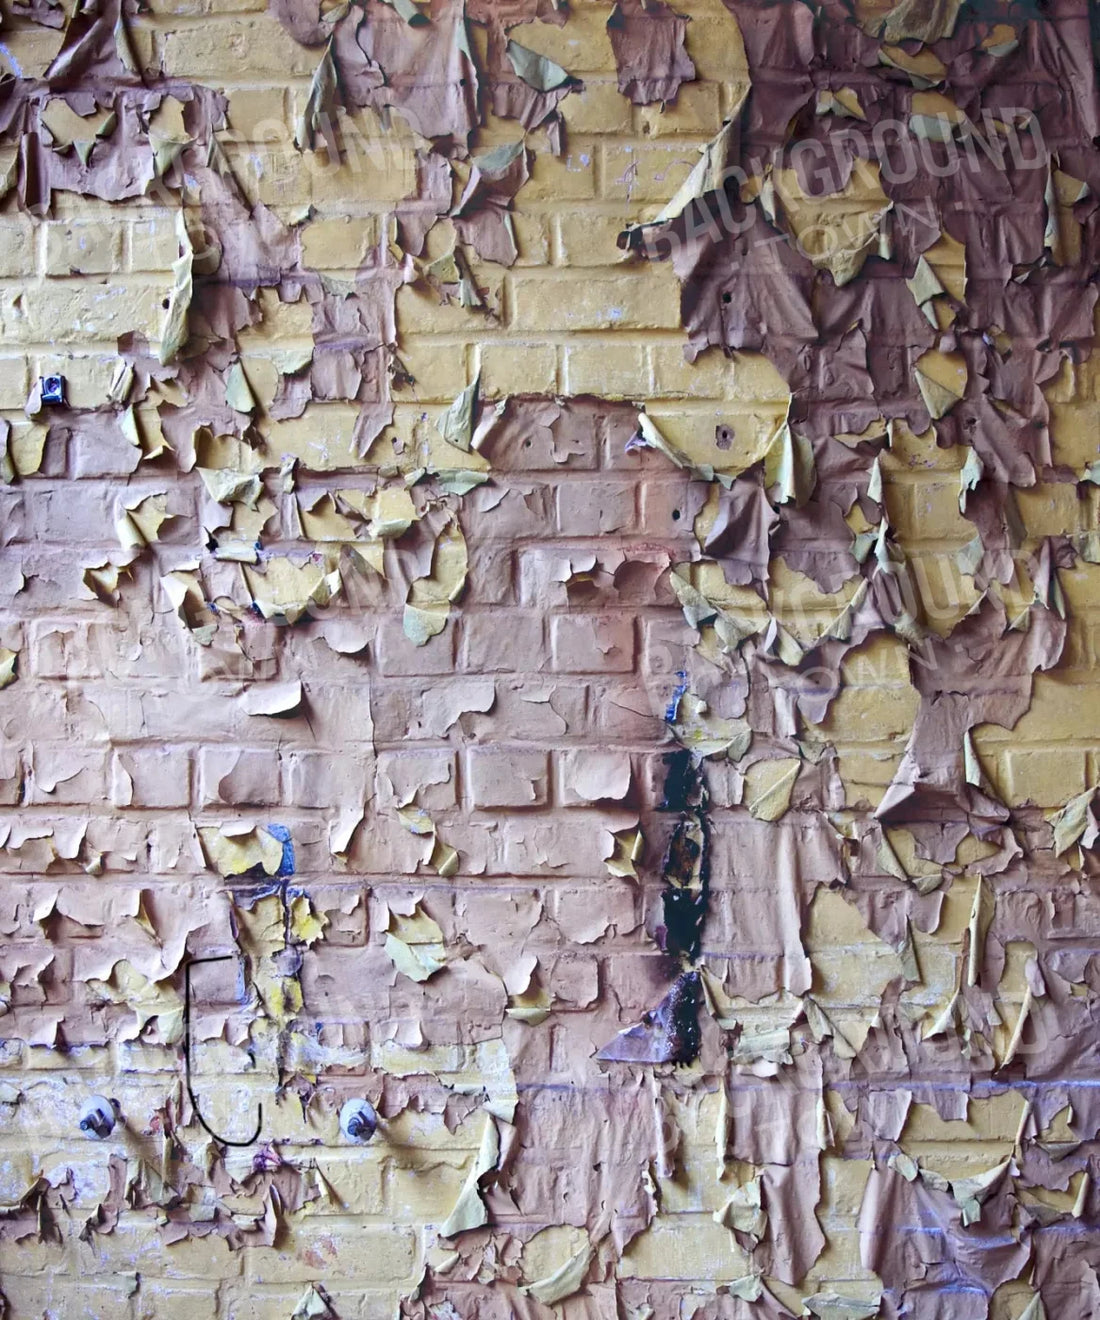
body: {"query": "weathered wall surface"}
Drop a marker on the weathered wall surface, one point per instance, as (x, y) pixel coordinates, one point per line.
(567, 561)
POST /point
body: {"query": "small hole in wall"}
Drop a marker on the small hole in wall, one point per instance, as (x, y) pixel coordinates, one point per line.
(164, 303)
(727, 297)
(723, 437)
(675, 515)
(527, 444)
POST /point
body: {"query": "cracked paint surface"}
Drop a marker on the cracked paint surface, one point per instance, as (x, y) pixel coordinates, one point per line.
(565, 568)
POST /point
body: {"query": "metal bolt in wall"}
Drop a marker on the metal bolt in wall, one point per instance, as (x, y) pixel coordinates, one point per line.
(358, 1120)
(98, 1117)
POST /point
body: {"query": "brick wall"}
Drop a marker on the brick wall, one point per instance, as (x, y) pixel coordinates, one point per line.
(532, 731)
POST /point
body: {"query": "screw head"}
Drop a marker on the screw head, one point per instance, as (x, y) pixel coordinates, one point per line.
(98, 1117)
(358, 1120)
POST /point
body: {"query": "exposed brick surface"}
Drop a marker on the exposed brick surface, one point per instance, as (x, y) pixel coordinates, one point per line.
(529, 732)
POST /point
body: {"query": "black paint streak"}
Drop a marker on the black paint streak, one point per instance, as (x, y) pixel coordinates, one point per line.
(686, 865)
